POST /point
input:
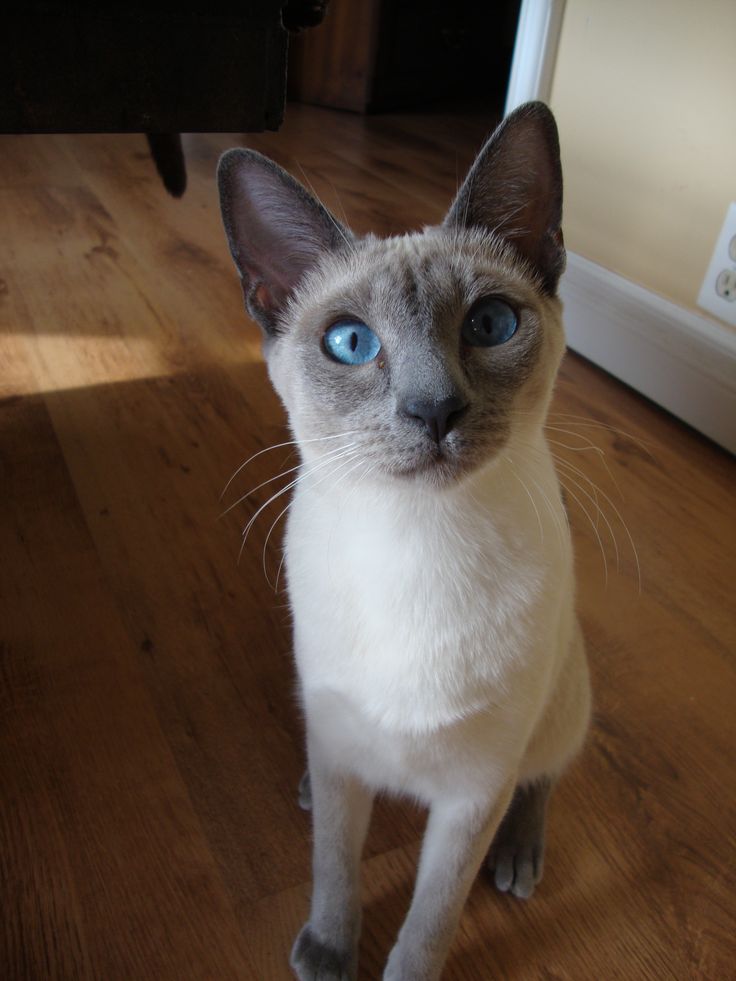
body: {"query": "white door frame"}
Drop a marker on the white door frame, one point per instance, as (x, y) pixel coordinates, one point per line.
(535, 52)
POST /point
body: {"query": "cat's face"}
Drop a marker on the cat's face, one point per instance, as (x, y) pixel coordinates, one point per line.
(430, 352)
(426, 399)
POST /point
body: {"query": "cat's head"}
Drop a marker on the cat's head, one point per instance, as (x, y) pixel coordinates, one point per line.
(433, 350)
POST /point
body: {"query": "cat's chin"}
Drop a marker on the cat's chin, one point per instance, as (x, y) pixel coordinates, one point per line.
(438, 470)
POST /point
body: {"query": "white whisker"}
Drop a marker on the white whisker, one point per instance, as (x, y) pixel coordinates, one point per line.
(528, 494)
(623, 524)
(569, 419)
(278, 571)
(283, 473)
(560, 528)
(345, 502)
(283, 490)
(594, 501)
(278, 446)
(554, 513)
(574, 496)
(326, 476)
(338, 227)
(340, 204)
(582, 449)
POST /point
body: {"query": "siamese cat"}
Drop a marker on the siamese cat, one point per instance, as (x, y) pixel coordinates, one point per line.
(428, 556)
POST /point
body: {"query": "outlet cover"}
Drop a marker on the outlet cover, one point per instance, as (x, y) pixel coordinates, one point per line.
(718, 292)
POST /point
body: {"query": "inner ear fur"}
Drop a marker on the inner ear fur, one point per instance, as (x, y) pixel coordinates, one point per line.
(514, 189)
(277, 231)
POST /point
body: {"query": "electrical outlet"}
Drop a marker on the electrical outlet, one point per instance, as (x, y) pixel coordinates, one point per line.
(718, 292)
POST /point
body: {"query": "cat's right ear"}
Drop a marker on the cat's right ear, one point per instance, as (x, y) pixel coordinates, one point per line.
(514, 189)
(277, 231)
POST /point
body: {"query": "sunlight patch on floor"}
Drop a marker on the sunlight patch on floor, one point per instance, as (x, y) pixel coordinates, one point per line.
(54, 362)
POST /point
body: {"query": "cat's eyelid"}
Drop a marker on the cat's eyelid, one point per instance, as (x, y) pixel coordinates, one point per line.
(515, 298)
(517, 306)
(345, 319)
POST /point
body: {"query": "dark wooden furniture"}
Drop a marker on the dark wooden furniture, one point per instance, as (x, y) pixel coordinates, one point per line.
(156, 68)
(370, 55)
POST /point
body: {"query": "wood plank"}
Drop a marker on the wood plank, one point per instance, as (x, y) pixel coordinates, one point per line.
(97, 825)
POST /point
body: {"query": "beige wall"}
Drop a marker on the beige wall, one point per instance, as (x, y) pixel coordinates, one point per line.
(645, 97)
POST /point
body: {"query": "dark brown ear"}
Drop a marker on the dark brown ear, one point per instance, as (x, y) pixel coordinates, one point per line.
(276, 230)
(514, 189)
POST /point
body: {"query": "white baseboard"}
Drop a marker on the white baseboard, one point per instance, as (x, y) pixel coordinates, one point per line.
(682, 361)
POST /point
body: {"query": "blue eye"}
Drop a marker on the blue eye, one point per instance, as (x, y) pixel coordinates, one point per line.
(351, 342)
(490, 322)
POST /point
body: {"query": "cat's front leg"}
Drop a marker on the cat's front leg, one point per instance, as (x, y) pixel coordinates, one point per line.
(326, 948)
(456, 840)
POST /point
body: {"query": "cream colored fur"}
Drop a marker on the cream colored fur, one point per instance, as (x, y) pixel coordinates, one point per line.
(430, 577)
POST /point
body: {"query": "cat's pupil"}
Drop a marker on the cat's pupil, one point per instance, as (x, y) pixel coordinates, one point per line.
(351, 343)
(489, 323)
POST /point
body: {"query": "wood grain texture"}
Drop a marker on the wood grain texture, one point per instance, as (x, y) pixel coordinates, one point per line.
(151, 738)
(333, 63)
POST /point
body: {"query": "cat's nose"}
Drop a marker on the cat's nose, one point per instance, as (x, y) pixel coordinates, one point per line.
(439, 417)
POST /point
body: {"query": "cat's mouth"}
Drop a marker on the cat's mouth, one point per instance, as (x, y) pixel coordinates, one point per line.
(450, 461)
(437, 465)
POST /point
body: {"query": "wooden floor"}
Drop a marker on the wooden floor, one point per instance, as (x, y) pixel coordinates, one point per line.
(150, 740)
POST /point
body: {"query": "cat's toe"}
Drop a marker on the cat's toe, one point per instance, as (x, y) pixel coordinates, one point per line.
(517, 852)
(313, 960)
(516, 869)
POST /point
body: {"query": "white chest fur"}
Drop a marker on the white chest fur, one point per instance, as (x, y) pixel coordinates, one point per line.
(422, 607)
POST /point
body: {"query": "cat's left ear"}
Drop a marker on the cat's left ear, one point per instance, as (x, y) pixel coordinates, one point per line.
(277, 231)
(514, 189)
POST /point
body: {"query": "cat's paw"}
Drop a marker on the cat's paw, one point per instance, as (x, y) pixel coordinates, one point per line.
(516, 856)
(516, 868)
(313, 960)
